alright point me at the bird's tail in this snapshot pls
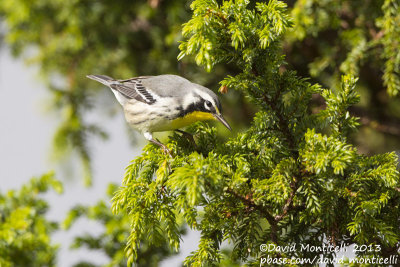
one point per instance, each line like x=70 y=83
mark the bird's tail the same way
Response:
x=106 y=80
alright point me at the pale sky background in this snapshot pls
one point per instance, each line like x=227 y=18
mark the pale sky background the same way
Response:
x=25 y=146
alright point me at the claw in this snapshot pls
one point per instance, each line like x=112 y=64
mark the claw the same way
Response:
x=164 y=147
x=149 y=137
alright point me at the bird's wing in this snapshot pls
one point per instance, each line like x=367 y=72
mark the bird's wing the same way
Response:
x=134 y=89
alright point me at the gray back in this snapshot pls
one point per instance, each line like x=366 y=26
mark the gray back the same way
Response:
x=167 y=85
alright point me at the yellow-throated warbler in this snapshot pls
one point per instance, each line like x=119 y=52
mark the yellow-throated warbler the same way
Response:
x=163 y=103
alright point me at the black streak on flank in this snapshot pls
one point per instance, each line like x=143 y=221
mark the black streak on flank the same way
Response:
x=135 y=113
x=143 y=121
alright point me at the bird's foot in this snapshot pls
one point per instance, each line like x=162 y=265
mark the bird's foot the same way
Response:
x=167 y=151
x=164 y=147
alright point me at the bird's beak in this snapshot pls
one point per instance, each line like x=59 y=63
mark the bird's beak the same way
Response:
x=223 y=121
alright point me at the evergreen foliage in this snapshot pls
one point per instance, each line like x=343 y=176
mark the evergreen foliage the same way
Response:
x=111 y=241
x=24 y=230
x=292 y=177
x=334 y=38
x=358 y=34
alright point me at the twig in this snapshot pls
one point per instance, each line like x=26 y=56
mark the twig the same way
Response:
x=389 y=127
x=250 y=203
x=284 y=127
x=289 y=202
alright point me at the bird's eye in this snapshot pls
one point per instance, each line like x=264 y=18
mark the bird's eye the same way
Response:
x=207 y=104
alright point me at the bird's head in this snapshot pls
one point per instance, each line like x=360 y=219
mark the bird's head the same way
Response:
x=205 y=101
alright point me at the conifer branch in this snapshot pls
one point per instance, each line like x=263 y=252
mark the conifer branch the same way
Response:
x=283 y=126
x=387 y=128
x=392 y=126
x=289 y=202
x=248 y=201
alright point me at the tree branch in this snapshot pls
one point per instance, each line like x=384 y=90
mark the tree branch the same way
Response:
x=283 y=126
x=250 y=203
x=390 y=126
x=289 y=202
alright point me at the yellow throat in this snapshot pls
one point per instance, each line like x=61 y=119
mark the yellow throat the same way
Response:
x=191 y=118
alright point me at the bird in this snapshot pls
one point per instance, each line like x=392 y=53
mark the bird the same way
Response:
x=163 y=103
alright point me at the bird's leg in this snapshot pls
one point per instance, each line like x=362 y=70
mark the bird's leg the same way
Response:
x=149 y=137
x=189 y=136
x=164 y=147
